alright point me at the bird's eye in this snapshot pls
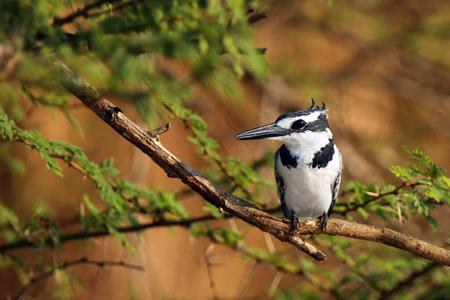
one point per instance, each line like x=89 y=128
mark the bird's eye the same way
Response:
x=298 y=124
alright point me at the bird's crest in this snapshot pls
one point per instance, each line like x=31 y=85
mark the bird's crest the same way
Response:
x=316 y=107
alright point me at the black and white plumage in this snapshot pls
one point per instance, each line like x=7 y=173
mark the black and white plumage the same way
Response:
x=308 y=165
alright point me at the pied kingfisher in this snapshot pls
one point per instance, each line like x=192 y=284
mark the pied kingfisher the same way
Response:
x=308 y=165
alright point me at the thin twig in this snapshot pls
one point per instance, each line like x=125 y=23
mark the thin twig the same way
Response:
x=81 y=235
x=208 y=263
x=350 y=263
x=256 y=18
x=387 y=294
x=247 y=280
x=82 y=260
x=274 y=285
x=352 y=207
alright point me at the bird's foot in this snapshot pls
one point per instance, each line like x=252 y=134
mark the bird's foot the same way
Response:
x=324 y=221
x=294 y=220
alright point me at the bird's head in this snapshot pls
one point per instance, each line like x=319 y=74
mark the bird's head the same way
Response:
x=295 y=129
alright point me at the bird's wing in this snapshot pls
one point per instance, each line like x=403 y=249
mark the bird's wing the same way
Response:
x=281 y=188
x=335 y=187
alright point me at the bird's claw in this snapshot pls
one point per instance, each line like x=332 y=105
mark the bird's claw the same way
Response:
x=294 y=221
x=324 y=221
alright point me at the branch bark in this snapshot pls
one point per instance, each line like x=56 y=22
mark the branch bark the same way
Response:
x=278 y=227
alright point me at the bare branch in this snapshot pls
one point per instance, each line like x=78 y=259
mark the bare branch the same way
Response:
x=220 y=198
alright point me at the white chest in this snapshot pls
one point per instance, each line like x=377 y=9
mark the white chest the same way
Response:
x=308 y=191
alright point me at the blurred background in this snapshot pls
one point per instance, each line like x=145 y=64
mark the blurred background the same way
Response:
x=381 y=67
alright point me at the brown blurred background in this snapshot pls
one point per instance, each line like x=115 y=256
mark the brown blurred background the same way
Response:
x=381 y=67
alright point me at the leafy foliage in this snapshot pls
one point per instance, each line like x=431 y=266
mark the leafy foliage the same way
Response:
x=212 y=38
x=128 y=49
x=122 y=198
x=238 y=176
x=424 y=187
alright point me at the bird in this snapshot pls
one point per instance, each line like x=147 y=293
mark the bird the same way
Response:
x=308 y=166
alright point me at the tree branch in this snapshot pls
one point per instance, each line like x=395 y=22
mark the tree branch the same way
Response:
x=80 y=235
x=278 y=227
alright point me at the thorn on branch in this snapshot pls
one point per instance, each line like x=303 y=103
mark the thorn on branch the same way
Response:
x=155 y=133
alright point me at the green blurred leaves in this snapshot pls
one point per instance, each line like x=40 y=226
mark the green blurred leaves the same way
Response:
x=424 y=187
x=242 y=180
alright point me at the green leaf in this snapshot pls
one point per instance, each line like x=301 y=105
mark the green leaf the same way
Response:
x=7 y=127
x=387 y=188
x=7 y=215
x=435 y=226
x=121 y=237
x=401 y=173
x=42 y=210
x=16 y=259
x=91 y=207
x=433 y=193
x=363 y=213
x=107 y=168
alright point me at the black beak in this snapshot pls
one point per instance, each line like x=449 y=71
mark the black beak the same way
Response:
x=263 y=132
